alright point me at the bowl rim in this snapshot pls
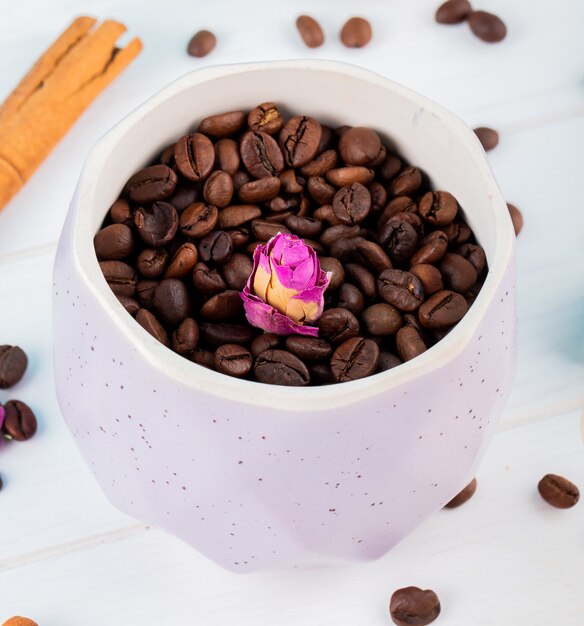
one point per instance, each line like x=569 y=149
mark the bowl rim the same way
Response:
x=305 y=399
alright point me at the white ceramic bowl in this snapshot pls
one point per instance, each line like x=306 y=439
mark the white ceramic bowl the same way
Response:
x=254 y=475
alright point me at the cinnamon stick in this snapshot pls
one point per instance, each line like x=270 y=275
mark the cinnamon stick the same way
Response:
x=58 y=88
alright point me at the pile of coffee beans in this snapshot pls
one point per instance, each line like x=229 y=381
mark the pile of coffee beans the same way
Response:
x=176 y=247
x=484 y=25
x=17 y=421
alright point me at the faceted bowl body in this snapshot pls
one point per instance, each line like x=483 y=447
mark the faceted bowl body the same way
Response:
x=257 y=476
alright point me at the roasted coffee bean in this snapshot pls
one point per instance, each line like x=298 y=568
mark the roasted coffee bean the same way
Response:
x=156 y=224
x=167 y=156
x=206 y=280
x=409 y=343
x=151 y=325
x=442 y=310
x=279 y=367
x=237 y=215
x=458 y=273
x=265 y=118
x=218 y=189
x=260 y=154
x=413 y=321
x=327 y=140
x=387 y=361
x=216 y=247
x=453 y=11
x=412 y=605
x=320 y=373
x=463 y=496
x=320 y=190
x=260 y=190
x=351 y=298
x=198 y=220
x=351 y=204
x=345 y=176
x=558 y=491
x=321 y=165
x=381 y=319
x=233 y=360
x=371 y=255
x=264 y=230
x=359 y=146
x=488 y=137
x=120 y=277
x=438 y=208
x=20 y=422
x=267 y=341
x=308 y=348
x=399 y=238
x=380 y=158
x=202 y=357
x=223 y=125
x=201 y=43
x=239 y=236
x=362 y=278
x=236 y=271
x=13 y=362
x=300 y=139
x=337 y=325
x=171 y=301
x=151 y=262
x=390 y=168
x=429 y=276
x=185 y=195
x=121 y=212
x=475 y=255
x=457 y=233
x=356 y=32
x=516 y=218
x=132 y=306
x=114 y=242
x=155 y=182
x=487 y=26
x=240 y=178
x=401 y=289
x=398 y=207
x=227 y=156
x=378 y=196
x=355 y=358
x=186 y=337
x=280 y=204
x=145 y=291
x=471 y=295
x=182 y=262
x=433 y=248
x=333 y=266
x=310 y=31
x=290 y=182
x=304 y=226
x=217 y=334
x=406 y=183
x=223 y=307
x=194 y=156
x=333 y=235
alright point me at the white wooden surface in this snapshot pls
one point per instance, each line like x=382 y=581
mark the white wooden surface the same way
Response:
x=67 y=558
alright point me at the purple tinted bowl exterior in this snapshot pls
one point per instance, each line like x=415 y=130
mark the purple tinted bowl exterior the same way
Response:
x=256 y=476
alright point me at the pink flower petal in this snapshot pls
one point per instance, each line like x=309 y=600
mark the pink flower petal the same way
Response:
x=264 y=316
x=2 y=415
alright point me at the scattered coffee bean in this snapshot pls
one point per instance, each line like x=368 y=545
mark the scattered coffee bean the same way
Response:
x=19 y=621
x=201 y=43
x=487 y=26
x=464 y=496
x=453 y=12
x=356 y=32
x=13 y=363
x=412 y=605
x=20 y=422
x=355 y=358
x=279 y=367
x=233 y=360
x=310 y=31
x=558 y=491
x=488 y=137
x=516 y=217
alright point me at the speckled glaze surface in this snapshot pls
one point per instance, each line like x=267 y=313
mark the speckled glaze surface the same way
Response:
x=256 y=476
